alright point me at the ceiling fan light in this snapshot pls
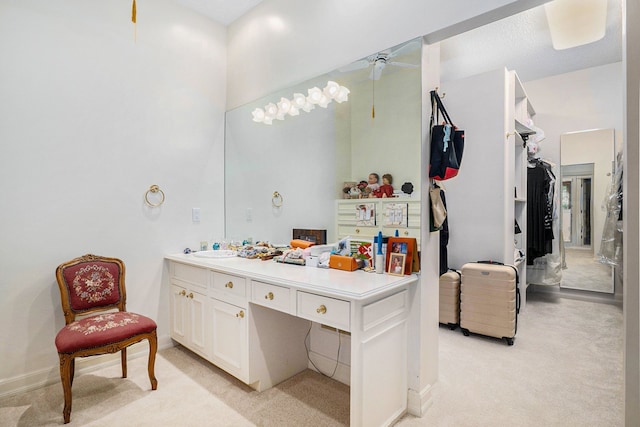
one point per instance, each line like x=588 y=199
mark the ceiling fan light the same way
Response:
x=576 y=22
x=268 y=121
x=258 y=115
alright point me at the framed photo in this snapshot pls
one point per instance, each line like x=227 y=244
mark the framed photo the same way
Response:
x=396 y=264
x=365 y=214
x=362 y=249
x=407 y=246
x=396 y=214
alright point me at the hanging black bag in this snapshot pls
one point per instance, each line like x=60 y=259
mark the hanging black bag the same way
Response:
x=447 y=143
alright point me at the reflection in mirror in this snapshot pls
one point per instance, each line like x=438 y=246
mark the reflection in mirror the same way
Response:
x=307 y=158
x=587 y=170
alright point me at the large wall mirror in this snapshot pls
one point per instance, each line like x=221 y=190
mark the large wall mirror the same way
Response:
x=290 y=173
x=587 y=171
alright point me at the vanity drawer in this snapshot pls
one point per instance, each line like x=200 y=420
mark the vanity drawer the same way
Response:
x=272 y=296
x=357 y=231
x=232 y=289
x=193 y=276
x=325 y=310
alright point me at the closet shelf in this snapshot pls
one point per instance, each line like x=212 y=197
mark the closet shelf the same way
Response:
x=523 y=130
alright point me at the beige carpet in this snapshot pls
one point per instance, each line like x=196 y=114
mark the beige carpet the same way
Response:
x=565 y=369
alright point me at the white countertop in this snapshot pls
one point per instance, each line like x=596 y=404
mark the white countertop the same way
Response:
x=356 y=285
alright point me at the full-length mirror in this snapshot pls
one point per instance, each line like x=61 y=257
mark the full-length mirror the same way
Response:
x=587 y=169
x=289 y=173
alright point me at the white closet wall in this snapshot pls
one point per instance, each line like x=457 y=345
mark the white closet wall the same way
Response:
x=481 y=201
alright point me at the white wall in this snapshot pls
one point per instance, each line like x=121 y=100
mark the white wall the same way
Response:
x=89 y=119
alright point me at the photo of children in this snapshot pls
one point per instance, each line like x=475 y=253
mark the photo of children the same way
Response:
x=399 y=248
x=396 y=264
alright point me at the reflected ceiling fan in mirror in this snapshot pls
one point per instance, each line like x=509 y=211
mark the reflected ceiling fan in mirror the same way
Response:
x=380 y=61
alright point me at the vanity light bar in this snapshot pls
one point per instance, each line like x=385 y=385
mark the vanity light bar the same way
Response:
x=291 y=107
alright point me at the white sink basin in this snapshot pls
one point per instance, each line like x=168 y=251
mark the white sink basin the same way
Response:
x=215 y=254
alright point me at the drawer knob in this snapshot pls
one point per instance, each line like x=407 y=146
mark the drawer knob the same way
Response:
x=321 y=310
x=269 y=296
x=357 y=230
x=240 y=315
x=191 y=295
x=183 y=292
x=406 y=233
x=229 y=285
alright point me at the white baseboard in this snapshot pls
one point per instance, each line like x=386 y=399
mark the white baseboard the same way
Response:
x=326 y=366
x=44 y=377
x=418 y=402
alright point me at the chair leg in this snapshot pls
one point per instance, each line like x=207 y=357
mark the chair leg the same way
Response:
x=123 y=358
x=66 y=376
x=73 y=369
x=153 y=348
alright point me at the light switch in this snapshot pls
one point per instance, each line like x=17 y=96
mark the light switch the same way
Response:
x=195 y=214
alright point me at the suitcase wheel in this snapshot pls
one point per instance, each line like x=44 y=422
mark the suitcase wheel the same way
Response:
x=465 y=332
x=509 y=340
x=452 y=326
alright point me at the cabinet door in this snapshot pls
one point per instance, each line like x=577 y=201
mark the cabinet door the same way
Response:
x=197 y=321
x=230 y=345
x=178 y=314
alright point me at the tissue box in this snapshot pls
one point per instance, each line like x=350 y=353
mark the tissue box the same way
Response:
x=342 y=262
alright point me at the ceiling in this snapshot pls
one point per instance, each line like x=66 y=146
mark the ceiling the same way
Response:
x=521 y=42
x=222 y=11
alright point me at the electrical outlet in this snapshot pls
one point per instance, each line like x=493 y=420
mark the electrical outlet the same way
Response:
x=195 y=214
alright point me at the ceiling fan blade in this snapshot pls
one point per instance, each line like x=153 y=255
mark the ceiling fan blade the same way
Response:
x=358 y=65
x=405 y=48
x=403 y=64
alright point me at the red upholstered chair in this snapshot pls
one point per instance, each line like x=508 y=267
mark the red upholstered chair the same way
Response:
x=92 y=287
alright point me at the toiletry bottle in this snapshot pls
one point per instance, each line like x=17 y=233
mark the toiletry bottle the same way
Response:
x=379 y=255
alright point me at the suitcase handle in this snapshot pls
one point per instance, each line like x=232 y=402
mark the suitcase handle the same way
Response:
x=502 y=263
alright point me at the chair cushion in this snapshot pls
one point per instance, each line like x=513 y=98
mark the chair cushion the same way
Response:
x=102 y=329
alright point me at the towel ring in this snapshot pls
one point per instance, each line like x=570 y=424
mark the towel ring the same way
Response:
x=154 y=189
x=276 y=200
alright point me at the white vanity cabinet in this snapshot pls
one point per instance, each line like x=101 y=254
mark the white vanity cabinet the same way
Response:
x=188 y=308
x=252 y=318
x=389 y=214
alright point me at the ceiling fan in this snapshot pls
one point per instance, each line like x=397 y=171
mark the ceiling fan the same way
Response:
x=381 y=60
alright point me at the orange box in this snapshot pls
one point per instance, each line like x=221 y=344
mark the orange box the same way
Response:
x=342 y=262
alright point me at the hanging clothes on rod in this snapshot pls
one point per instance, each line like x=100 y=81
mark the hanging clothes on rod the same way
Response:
x=540 y=208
